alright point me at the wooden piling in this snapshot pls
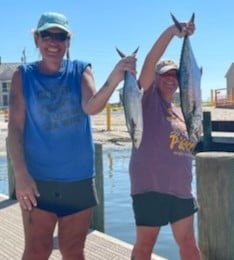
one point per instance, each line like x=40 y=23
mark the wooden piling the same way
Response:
x=10 y=172
x=207 y=131
x=215 y=193
x=98 y=214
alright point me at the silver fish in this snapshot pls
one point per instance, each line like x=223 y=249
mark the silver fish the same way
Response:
x=189 y=85
x=132 y=103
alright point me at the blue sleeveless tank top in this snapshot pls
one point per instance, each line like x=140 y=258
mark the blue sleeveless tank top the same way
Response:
x=58 y=142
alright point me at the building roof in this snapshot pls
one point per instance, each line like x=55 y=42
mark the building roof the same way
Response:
x=7 y=70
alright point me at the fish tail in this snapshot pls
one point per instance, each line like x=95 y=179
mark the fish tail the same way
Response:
x=192 y=18
x=136 y=50
x=121 y=54
x=177 y=23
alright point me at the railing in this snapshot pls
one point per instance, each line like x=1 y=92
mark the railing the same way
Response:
x=224 y=99
x=208 y=142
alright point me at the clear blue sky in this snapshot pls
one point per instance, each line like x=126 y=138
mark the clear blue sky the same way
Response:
x=99 y=26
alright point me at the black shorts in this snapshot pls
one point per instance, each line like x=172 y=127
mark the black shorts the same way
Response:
x=158 y=209
x=66 y=198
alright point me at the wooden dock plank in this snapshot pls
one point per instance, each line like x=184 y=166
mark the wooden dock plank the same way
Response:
x=99 y=246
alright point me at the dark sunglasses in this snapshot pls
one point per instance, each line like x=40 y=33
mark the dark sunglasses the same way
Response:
x=60 y=36
x=170 y=74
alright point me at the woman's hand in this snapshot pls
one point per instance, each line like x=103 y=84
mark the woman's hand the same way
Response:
x=125 y=64
x=26 y=192
x=184 y=28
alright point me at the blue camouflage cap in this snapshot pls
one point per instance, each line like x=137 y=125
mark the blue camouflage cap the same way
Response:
x=52 y=19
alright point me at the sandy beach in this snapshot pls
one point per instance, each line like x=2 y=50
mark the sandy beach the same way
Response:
x=118 y=134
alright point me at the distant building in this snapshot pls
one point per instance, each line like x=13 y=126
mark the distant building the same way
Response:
x=230 y=81
x=6 y=73
x=224 y=97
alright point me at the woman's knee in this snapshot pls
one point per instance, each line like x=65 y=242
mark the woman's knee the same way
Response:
x=72 y=249
x=38 y=250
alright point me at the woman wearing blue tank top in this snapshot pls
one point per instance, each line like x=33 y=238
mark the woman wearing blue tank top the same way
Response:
x=50 y=140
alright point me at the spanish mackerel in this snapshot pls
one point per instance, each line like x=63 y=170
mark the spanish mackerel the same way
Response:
x=189 y=85
x=132 y=103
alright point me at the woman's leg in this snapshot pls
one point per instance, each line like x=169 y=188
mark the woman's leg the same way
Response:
x=72 y=232
x=145 y=241
x=38 y=229
x=183 y=231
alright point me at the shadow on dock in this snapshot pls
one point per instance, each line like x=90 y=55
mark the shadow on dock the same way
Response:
x=7 y=203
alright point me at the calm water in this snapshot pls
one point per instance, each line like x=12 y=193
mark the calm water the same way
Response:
x=119 y=220
x=3 y=176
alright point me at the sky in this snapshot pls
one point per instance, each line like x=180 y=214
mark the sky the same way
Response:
x=98 y=27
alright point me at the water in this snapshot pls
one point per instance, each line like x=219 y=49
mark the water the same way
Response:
x=119 y=219
x=3 y=176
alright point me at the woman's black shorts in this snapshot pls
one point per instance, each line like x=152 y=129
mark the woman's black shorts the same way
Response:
x=66 y=198
x=158 y=209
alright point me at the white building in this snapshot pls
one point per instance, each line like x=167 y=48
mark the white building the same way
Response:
x=6 y=73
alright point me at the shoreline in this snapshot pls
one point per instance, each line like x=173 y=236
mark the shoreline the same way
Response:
x=118 y=134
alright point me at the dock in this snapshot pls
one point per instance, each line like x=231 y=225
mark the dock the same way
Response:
x=99 y=246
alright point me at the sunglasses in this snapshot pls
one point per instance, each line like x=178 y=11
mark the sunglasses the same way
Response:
x=170 y=74
x=60 y=36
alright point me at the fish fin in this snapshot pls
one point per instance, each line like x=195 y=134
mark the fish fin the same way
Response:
x=121 y=54
x=190 y=124
x=132 y=130
x=201 y=70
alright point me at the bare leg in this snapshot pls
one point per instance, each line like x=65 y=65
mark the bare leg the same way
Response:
x=38 y=229
x=183 y=231
x=146 y=239
x=72 y=232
